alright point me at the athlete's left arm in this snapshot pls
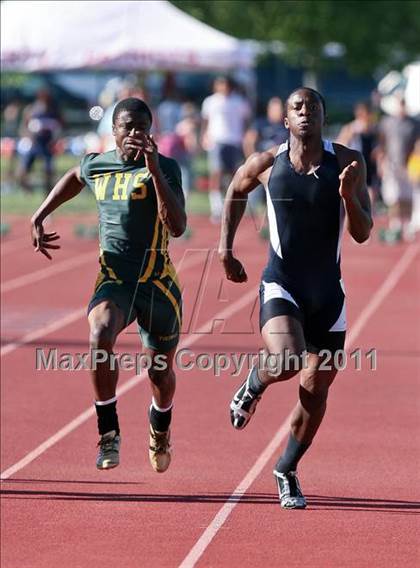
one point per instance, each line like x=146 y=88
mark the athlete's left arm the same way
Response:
x=353 y=190
x=171 y=202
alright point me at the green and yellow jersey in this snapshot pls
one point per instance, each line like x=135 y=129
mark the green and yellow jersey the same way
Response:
x=133 y=240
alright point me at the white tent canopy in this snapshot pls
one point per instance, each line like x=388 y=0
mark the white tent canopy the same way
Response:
x=129 y=35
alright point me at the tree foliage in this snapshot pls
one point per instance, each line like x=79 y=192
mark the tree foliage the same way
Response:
x=375 y=33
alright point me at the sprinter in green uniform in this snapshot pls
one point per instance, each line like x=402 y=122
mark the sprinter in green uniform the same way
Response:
x=140 y=204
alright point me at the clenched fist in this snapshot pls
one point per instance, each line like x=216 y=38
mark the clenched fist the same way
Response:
x=233 y=268
x=349 y=178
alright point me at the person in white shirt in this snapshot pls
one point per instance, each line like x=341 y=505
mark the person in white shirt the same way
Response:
x=397 y=139
x=226 y=116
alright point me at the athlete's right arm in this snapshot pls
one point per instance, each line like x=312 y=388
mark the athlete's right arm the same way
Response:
x=244 y=181
x=65 y=189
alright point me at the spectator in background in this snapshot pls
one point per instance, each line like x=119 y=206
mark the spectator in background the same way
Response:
x=266 y=132
x=9 y=137
x=225 y=118
x=169 y=110
x=397 y=138
x=169 y=114
x=413 y=168
x=182 y=144
x=362 y=135
x=41 y=124
x=11 y=120
x=188 y=130
x=108 y=99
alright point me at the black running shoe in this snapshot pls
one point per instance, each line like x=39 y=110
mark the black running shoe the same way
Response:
x=243 y=405
x=290 y=493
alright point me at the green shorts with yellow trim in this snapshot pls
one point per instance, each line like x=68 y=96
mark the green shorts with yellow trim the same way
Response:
x=155 y=304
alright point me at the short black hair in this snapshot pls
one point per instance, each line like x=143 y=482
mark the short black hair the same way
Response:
x=131 y=104
x=314 y=92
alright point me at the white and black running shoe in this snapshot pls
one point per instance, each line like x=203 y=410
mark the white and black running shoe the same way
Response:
x=243 y=405
x=109 y=451
x=290 y=493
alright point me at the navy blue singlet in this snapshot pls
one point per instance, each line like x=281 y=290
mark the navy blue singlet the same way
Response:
x=306 y=217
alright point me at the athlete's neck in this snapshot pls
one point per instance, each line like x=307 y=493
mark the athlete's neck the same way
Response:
x=305 y=155
x=121 y=155
x=128 y=159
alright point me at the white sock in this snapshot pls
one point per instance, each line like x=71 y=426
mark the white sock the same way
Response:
x=105 y=402
x=158 y=408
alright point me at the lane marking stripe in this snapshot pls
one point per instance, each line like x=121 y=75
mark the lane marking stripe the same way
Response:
x=44 y=330
x=220 y=518
x=132 y=382
x=387 y=286
x=218 y=521
x=71 y=317
x=15 y=244
x=43 y=273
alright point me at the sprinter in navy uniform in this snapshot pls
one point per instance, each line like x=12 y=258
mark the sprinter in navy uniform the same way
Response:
x=313 y=188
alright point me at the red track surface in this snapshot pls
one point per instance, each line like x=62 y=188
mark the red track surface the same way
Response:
x=358 y=476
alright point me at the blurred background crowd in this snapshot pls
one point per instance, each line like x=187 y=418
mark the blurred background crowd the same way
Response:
x=211 y=121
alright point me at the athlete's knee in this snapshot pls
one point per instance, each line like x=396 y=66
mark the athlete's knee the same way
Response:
x=159 y=375
x=282 y=376
x=105 y=321
x=316 y=382
x=313 y=397
x=102 y=336
x=285 y=364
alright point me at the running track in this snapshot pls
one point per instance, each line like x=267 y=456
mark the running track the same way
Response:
x=217 y=505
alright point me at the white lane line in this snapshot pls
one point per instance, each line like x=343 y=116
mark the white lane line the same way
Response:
x=15 y=244
x=68 y=264
x=223 y=513
x=78 y=313
x=47 y=272
x=387 y=286
x=132 y=382
x=44 y=330
x=218 y=521
x=67 y=429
